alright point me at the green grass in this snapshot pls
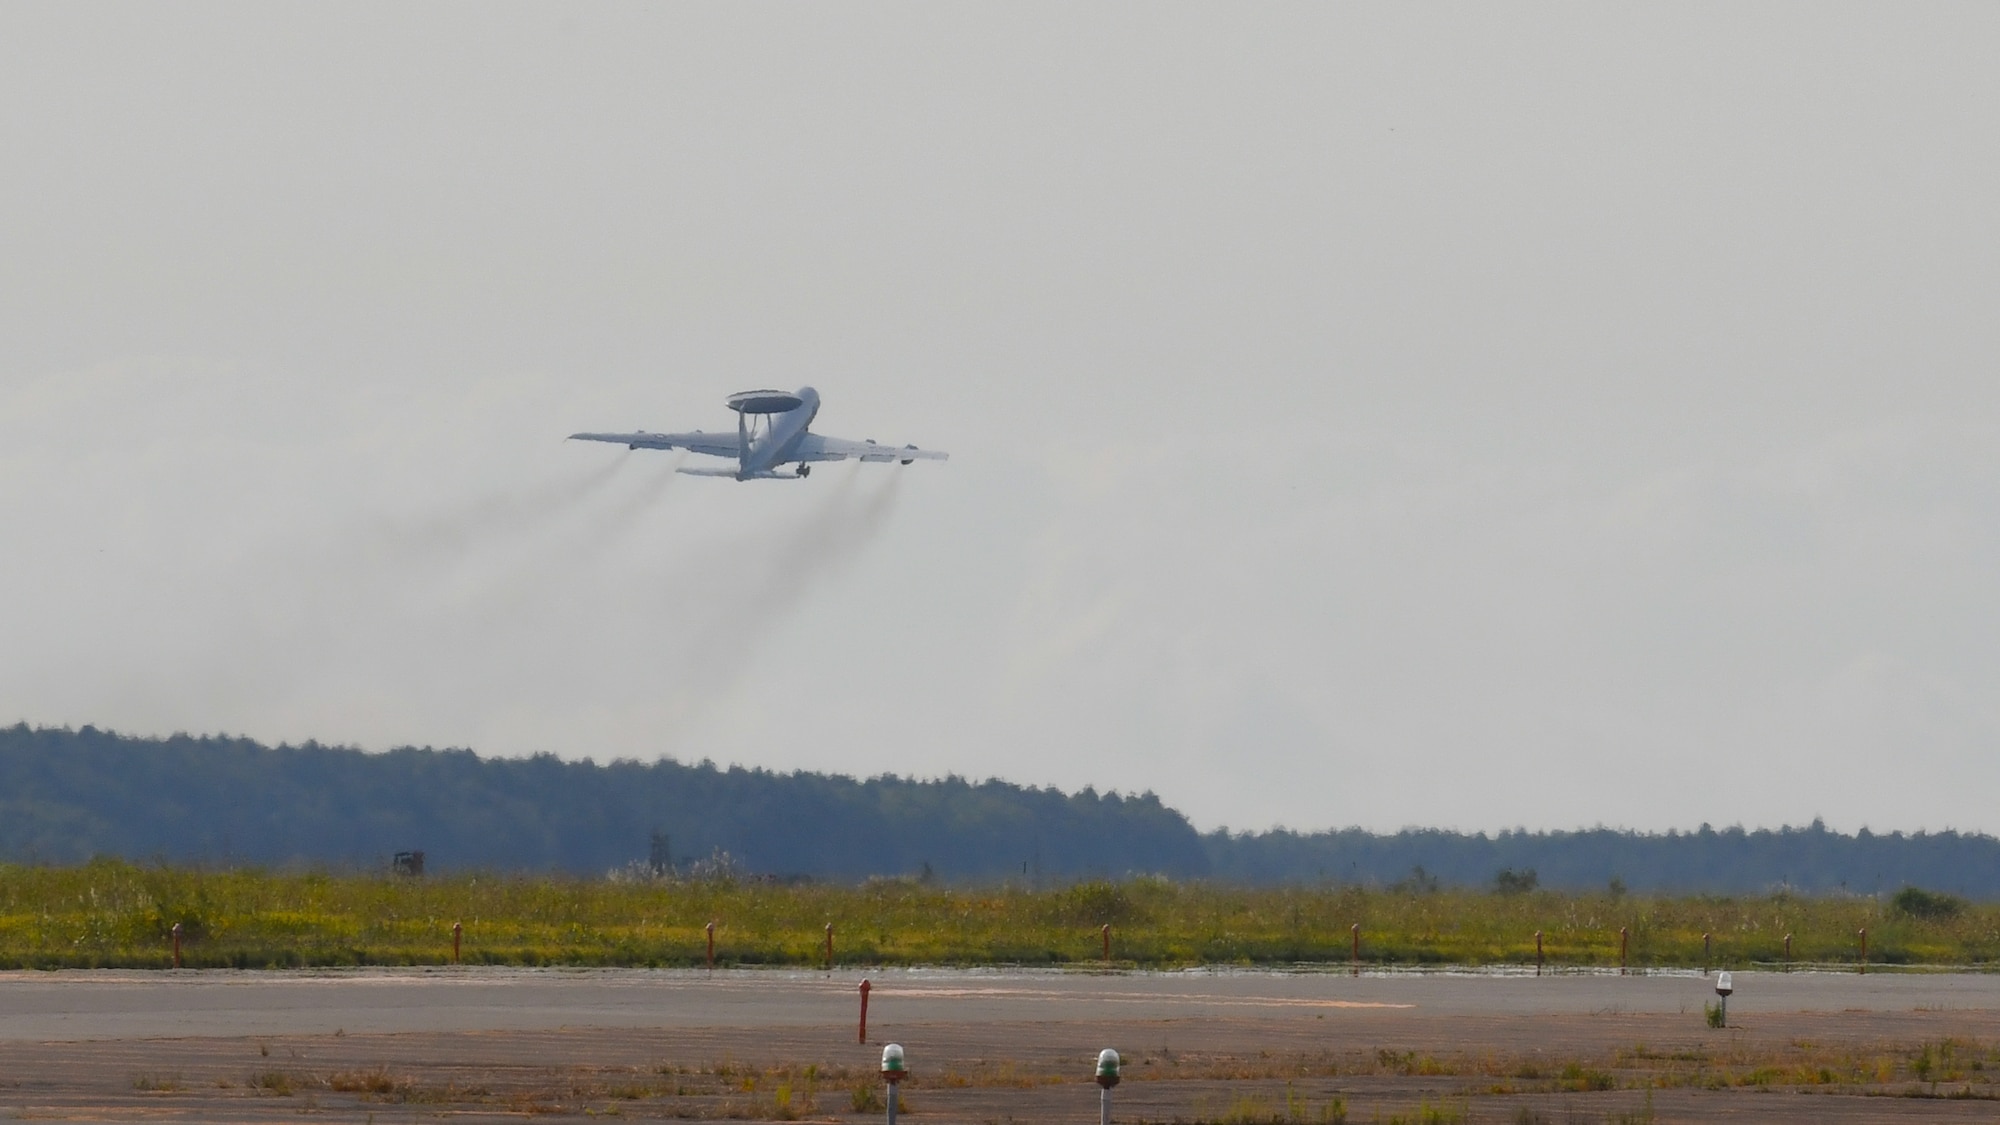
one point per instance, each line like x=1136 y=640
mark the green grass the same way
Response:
x=115 y=914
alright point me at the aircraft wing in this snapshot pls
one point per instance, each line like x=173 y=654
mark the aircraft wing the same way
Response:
x=715 y=445
x=817 y=448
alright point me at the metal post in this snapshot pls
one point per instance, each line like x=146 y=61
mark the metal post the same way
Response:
x=1788 y=950
x=711 y=945
x=457 y=931
x=1864 y=949
x=177 y=945
x=1356 y=929
x=829 y=947
x=892 y=1103
x=1705 y=955
x=1624 y=945
x=1104 y=1106
x=864 y=1011
x=1106 y=932
x=1538 y=953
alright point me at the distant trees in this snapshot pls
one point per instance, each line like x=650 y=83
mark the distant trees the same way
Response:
x=1812 y=859
x=66 y=795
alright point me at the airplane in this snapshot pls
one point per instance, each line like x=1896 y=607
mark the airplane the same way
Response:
x=772 y=430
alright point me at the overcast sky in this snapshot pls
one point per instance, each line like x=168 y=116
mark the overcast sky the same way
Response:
x=1467 y=416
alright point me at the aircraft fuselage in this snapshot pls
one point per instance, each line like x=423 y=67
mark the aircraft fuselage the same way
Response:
x=782 y=440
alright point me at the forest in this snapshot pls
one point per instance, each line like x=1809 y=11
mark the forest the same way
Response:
x=68 y=796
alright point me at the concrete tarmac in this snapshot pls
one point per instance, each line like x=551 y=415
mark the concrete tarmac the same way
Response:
x=986 y=1046
x=81 y=1006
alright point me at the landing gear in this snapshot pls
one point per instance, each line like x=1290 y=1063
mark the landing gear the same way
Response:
x=805 y=470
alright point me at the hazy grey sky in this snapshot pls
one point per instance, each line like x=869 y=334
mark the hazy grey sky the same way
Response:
x=1472 y=416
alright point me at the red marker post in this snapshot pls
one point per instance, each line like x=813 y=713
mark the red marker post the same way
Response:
x=177 y=945
x=1624 y=944
x=711 y=945
x=1356 y=928
x=457 y=932
x=863 y=1037
x=829 y=947
x=1538 y=953
x=1106 y=934
x=1864 y=949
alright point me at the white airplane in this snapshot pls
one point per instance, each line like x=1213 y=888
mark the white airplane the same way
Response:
x=771 y=431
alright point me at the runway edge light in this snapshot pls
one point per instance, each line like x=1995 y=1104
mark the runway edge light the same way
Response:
x=892 y=1073
x=1107 y=1077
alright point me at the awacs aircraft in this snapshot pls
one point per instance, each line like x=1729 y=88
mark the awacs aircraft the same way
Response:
x=771 y=432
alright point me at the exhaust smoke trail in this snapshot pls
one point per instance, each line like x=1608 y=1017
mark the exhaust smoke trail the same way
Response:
x=493 y=515
x=757 y=583
x=413 y=591
x=573 y=552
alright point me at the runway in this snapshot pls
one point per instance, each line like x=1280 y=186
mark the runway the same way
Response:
x=145 y=1005
x=991 y=1045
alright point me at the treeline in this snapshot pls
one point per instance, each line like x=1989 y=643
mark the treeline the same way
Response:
x=66 y=796
x=69 y=795
x=1811 y=860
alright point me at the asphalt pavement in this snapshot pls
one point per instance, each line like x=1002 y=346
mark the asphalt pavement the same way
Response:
x=115 y=1005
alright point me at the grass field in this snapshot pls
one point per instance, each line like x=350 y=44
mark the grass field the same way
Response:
x=113 y=914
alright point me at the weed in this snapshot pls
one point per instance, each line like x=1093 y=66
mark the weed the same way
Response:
x=1644 y=1115
x=1443 y=1113
x=1577 y=1077
x=158 y=1083
x=378 y=1082
x=1254 y=1109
